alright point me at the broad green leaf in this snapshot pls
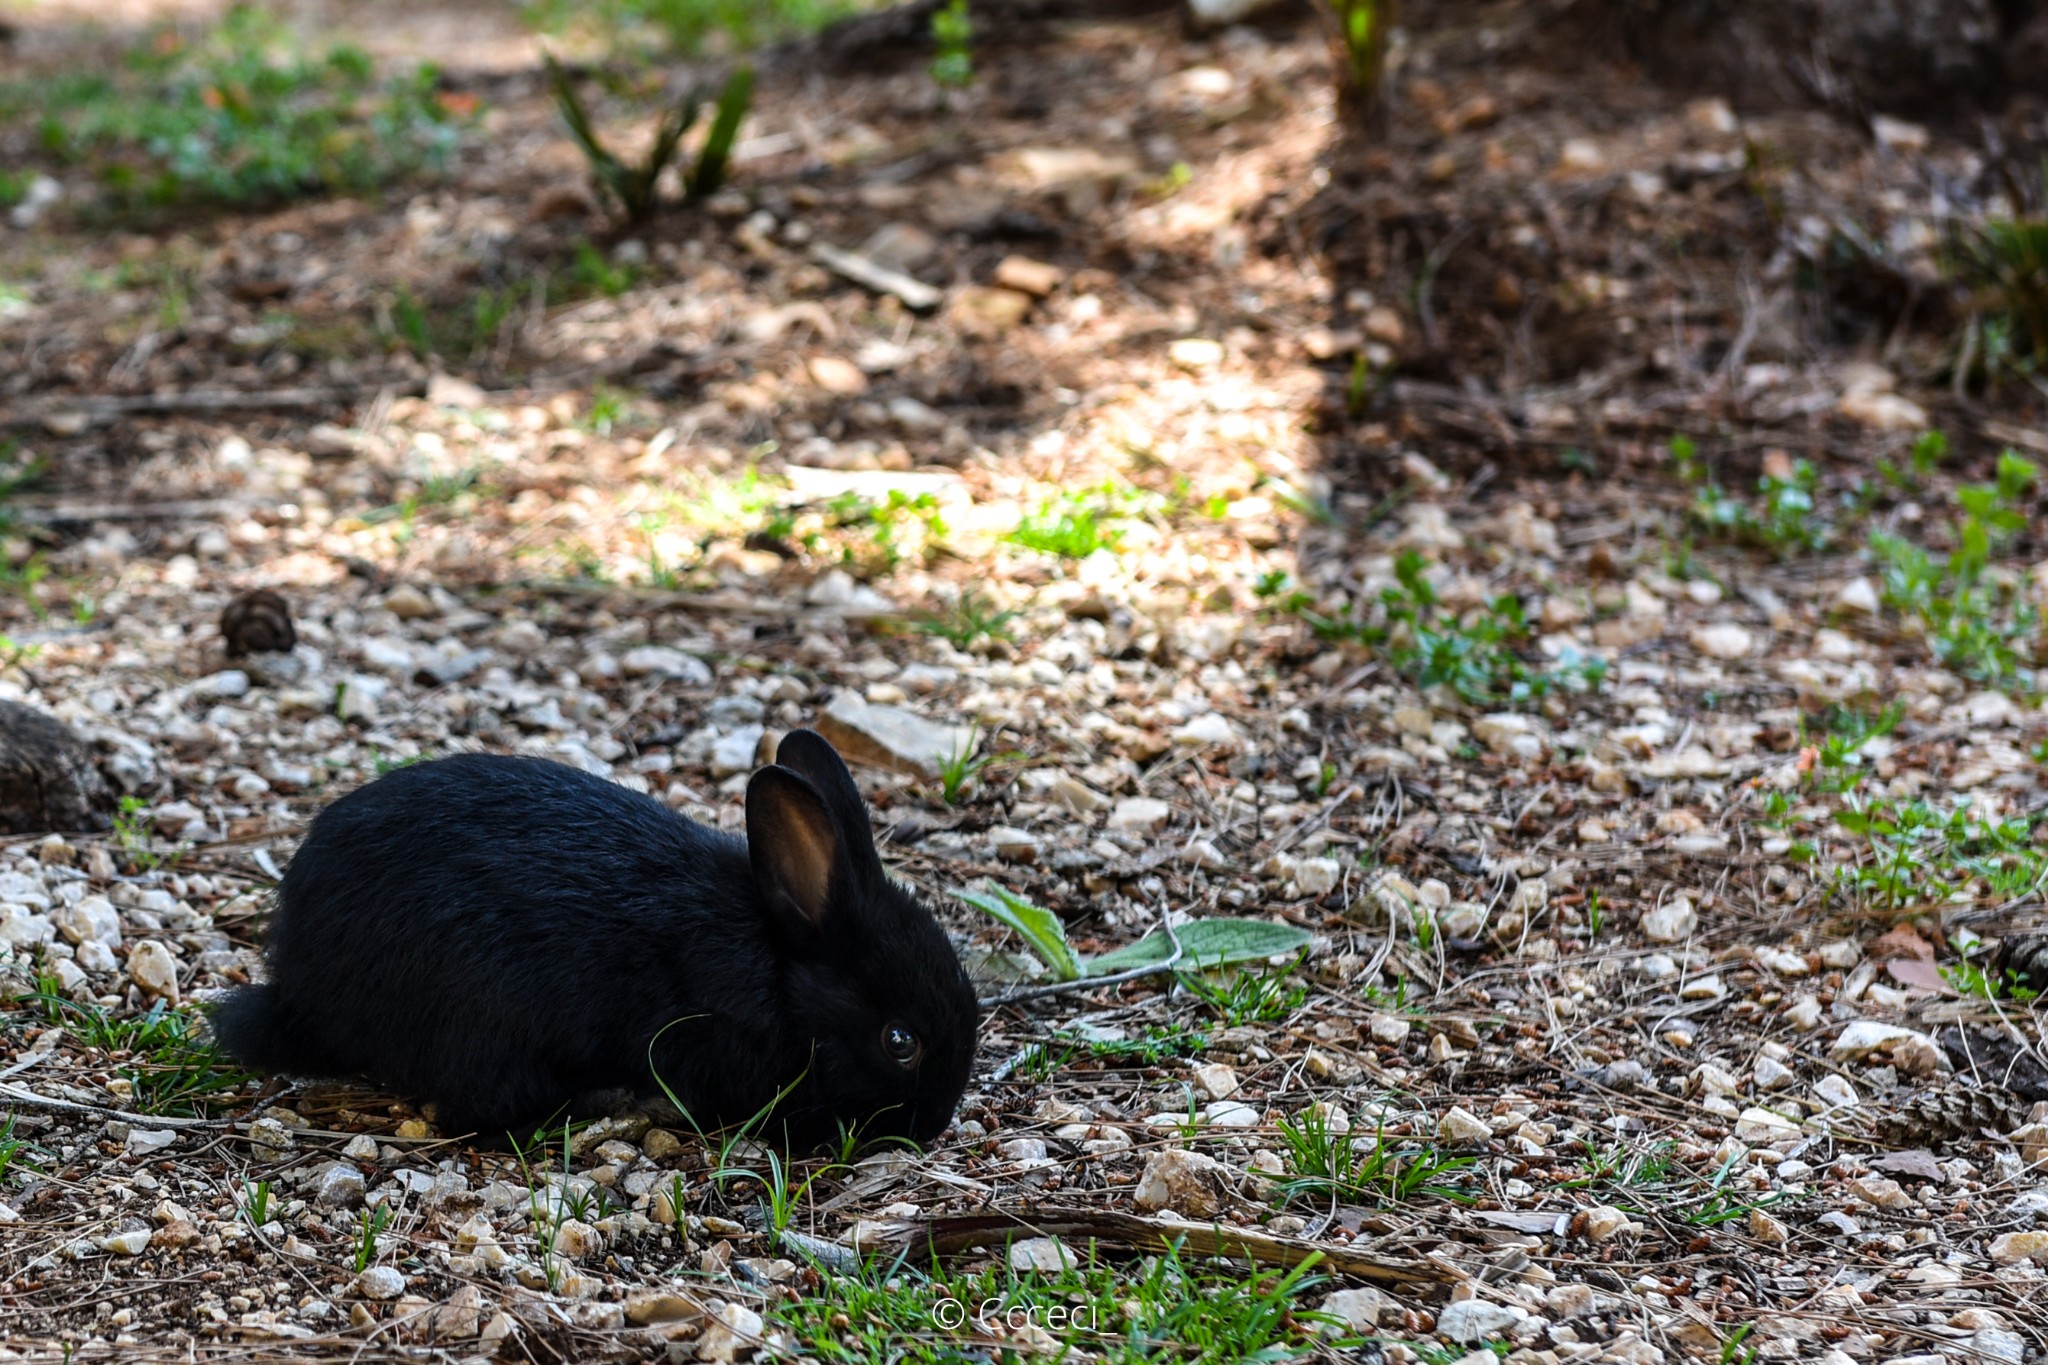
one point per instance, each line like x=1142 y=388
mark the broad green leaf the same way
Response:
x=1039 y=927
x=1206 y=943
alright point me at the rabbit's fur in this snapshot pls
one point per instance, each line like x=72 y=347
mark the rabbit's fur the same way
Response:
x=510 y=937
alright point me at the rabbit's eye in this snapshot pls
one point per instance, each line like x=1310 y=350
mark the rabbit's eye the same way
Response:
x=899 y=1044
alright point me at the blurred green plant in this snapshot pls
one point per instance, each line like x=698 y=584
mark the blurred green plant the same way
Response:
x=1788 y=521
x=1358 y=41
x=243 y=116
x=632 y=186
x=688 y=27
x=952 y=36
x=1977 y=619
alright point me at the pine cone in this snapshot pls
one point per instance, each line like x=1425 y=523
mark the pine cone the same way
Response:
x=2022 y=960
x=1956 y=1112
x=258 y=622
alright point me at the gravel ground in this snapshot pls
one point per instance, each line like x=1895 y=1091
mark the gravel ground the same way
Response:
x=1673 y=872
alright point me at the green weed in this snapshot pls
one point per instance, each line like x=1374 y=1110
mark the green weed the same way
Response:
x=158 y=1054
x=971 y=617
x=1788 y=521
x=1249 y=997
x=370 y=1225
x=1324 y=1164
x=687 y=27
x=14 y=1158
x=902 y=526
x=952 y=36
x=256 y=1203
x=592 y=274
x=1076 y=525
x=1359 y=42
x=1155 y=1045
x=631 y=185
x=1978 y=622
x=1914 y=854
x=465 y=331
x=2007 y=258
x=964 y=765
x=240 y=117
x=1474 y=655
x=1195 y=1312
x=1624 y=1165
x=1648 y=1178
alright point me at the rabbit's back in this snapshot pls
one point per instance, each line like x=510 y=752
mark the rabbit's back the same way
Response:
x=499 y=934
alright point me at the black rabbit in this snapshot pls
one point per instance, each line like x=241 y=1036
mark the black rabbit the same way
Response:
x=511 y=938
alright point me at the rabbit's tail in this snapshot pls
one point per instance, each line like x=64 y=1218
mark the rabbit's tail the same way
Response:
x=255 y=1028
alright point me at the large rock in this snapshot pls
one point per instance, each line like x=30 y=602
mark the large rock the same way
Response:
x=890 y=737
x=49 y=780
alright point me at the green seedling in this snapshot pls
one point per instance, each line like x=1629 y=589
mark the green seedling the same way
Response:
x=952 y=36
x=245 y=116
x=1324 y=1163
x=14 y=1160
x=1173 y=1305
x=1980 y=623
x=964 y=765
x=971 y=617
x=370 y=1225
x=1249 y=997
x=1209 y=942
x=631 y=186
x=256 y=1203
x=652 y=31
x=1079 y=524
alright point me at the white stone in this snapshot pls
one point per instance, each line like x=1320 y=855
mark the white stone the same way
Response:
x=1216 y=1080
x=1041 y=1253
x=1205 y=730
x=21 y=927
x=225 y=685
x=1140 y=815
x=577 y=1240
x=1858 y=597
x=1835 y=1092
x=734 y=1328
x=131 y=1243
x=1390 y=1029
x=380 y=1282
x=1316 y=876
x=340 y=1186
x=1722 y=640
x=2011 y=1248
x=1703 y=988
x=1510 y=733
x=735 y=753
x=154 y=967
x=1864 y=1036
x=144 y=1141
x=1764 y=1125
x=1360 y=1310
x=1671 y=922
x=1771 y=1074
x=1461 y=1125
x=1470 y=1321
x=1604 y=1222
x=661 y=661
x=1190 y=1183
x=1232 y=1114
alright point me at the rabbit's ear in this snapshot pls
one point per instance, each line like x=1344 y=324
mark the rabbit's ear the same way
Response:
x=811 y=754
x=793 y=843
